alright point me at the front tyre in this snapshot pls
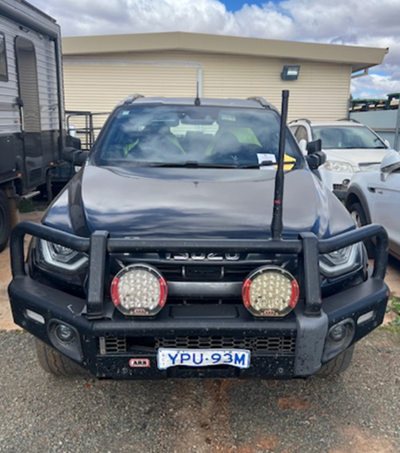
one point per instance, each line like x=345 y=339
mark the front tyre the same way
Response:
x=360 y=219
x=56 y=363
x=337 y=365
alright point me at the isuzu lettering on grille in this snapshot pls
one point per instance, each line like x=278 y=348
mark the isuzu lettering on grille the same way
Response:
x=203 y=256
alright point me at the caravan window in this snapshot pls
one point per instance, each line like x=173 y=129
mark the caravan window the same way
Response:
x=3 y=59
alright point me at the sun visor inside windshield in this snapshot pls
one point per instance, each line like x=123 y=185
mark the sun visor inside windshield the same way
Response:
x=226 y=118
x=170 y=120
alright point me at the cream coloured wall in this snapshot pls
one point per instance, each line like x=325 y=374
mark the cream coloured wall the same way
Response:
x=98 y=82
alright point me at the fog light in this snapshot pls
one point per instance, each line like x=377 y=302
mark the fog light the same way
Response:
x=139 y=290
x=338 y=333
x=339 y=338
x=270 y=291
x=64 y=333
x=346 y=182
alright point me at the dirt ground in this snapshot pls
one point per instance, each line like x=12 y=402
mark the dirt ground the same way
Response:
x=356 y=412
x=6 y=322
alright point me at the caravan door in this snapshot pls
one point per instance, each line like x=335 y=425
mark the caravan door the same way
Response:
x=30 y=110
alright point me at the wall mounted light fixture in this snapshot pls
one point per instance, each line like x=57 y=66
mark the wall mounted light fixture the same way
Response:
x=290 y=72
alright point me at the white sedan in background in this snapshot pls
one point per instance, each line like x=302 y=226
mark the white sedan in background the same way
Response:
x=374 y=197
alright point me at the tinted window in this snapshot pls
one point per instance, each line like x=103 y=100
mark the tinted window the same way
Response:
x=3 y=59
x=347 y=137
x=202 y=134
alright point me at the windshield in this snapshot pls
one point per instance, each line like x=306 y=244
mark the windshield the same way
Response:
x=347 y=137
x=194 y=136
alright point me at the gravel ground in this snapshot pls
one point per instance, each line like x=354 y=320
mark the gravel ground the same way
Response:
x=357 y=412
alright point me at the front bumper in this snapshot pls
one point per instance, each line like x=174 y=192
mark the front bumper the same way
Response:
x=337 y=182
x=233 y=321
x=294 y=346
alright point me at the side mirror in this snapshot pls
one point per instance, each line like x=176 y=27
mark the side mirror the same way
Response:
x=387 y=143
x=314 y=147
x=303 y=146
x=316 y=159
x=75 y=156
x=389 y=164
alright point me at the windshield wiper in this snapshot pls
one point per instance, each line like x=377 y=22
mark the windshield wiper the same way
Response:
x=264 y=163
x=190 y=164
x=268 y=163
x=359 y=147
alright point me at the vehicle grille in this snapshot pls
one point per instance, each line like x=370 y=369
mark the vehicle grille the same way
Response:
x=272 y=345
x=112 y=345
x=339 y=187
x=181 y=273
x=206 y=270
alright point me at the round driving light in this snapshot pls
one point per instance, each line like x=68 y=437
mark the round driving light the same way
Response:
x=270 y=291
x=139 y=290
x=64 y=333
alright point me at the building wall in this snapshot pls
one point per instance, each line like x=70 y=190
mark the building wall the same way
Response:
x=98 y=82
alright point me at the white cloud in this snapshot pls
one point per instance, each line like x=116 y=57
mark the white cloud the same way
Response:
x=375 y=85
x=367 y=23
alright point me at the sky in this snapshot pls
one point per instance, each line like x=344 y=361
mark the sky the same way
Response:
x=371 y=23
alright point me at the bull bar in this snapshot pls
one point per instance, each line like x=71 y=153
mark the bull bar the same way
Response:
x=307 y=246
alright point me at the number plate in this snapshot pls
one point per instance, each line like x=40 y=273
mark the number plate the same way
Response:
x=167 y=358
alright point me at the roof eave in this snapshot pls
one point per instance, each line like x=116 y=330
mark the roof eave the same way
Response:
x=358 y=58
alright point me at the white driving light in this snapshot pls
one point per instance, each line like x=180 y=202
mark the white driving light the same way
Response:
x=139 y=290
x=270 y=291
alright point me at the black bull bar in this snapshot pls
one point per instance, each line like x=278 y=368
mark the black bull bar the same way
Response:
x=308 y=247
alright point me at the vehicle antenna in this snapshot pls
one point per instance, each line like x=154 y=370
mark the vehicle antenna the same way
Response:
x=197 y=100
x=276 y=224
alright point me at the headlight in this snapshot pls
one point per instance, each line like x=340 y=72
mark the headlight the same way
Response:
x=342 y=261
x=270 y=291
x=60 y=257
x=334 y=165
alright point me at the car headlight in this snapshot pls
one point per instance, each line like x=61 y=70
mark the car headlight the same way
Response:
x=63 y=258
x=335 y=165
x=342 y=261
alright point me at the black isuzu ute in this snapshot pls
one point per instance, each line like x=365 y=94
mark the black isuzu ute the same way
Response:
x=173 y=252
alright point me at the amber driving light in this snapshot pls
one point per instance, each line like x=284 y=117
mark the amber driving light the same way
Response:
x=270 y=291
x=139 y=290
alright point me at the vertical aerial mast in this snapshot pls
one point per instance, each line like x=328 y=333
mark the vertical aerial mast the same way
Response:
x=276 y=224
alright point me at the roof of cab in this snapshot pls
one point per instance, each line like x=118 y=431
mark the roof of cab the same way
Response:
x=254 y=102
x=327 y=123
